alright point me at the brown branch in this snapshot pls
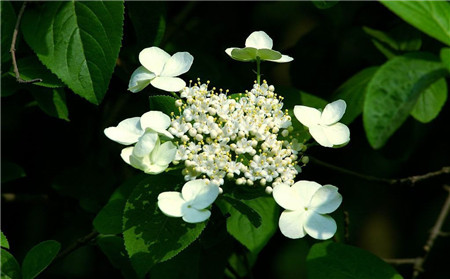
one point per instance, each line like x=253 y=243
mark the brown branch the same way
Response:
x=411 y=180
x=13 y=48
x=400 y=261
x=77 y=244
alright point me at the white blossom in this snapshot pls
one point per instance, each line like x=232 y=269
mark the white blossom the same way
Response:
x=192 y=203
x=307 y=204
x=160 y=70
x=324 y=126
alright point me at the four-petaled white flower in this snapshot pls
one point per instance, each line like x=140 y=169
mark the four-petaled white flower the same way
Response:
x=258 y=44
x=160 y=70
x=192 y=203
x=324 y=126
x=154 y=162
x=144 y=131
x=307 y=204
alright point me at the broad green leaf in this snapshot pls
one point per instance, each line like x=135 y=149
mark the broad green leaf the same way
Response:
x=31 y=68
x=244 y=209
x=430 y=102
x=3 y=241
x=39 y=257
x=11 y=171
x=8 y=16
x=339 y=261
x=150 y=236
x=325 y=4
x=244 y=54
x=78 y=41
x=52 y=101
x=245 y=232
x=114 y=249
x=445 y=57
x=268 y=54
x=353 y=92
x=431 y=17
x=109 y=219
x=165 y=104
x=10 y=268
x=149 y=21
x=393 y=92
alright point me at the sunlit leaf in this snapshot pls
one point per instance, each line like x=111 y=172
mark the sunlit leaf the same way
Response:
x=445 y=57
x=430 y=102
x=165 y=104
x=31 y=68
x=245 y=210
x=3 y=241
x=52 y=101
x=39 y=257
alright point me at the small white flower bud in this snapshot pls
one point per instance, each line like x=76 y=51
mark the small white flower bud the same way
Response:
x=249 y=182
x=184 y=138
x=230 y=175
x=269 y=190
x=285 y=133
x=305 y=159
x=192 y=132
x=263 y=182
x=199 y=137
x=275 y=130
x=240 y=181
x=178 y=103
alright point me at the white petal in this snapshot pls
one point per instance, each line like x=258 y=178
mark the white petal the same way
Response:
x=154 y=59
x=326 y=199
x=318 y=133
x=126 y=154
x=229 y=50
x=291 y=223
x=305 y=189
x=127 y=132
x=192 y=215
x=283 y=59
x=319 y=226
x=178 y=64
x=259 y=39
x=145 y=144
x=165 y=154
x=155 y=120
x=307 y=116
x=287 y=197
x=170 y=84
x=333 y=112
x=140 y=78
x=337 y=133
x=200 y=193
x=171 y=203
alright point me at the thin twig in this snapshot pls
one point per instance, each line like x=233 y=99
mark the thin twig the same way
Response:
x=13 y=48
x=77 y=244
x=407 y=180
x=400 y=261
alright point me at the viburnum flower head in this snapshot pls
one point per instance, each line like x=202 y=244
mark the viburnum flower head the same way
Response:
x=324 y=126
x=160 y=70
x=258 y=44
x=192 y=203
x=307 y=204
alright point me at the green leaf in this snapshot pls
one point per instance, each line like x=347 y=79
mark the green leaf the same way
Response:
x=113 y=247
x=109 y=219
x=338 y=261
x=11 y=171
x=325 y=4
x=244 y=54
x=8 y=16
x=39 y=257
x=393 y=92
x=245 y=232
x=3 y=241
x=31 y=68
x=430 y=102
x=52 y=101
x=268 y=54
x=252 y=216
x=431 y=17
x=149 y=21
x=353 y=92
x=312 y=100
x=165 y=104
x=150 y=236
x=77 y=41
x=10 y=268
x=445 y=57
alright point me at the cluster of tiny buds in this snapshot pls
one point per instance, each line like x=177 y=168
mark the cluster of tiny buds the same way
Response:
x=242 y=137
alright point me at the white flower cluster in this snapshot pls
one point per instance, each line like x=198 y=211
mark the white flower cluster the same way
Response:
x=245 y=136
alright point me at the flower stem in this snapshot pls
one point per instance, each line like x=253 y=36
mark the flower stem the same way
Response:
x=175 y=95
x=258 y=70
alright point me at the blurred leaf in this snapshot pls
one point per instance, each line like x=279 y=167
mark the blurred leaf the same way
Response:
x=39 y=257
x=445 y=57
x=8 y=16
x=11 y=171
x=149 y=22
x=109 y=219
x=353 y=92
x=31 y=68
x=10 y=268
x=253 y=217
x=325 y=4
x=3 y=241
x=430 y=102
x=431 y=17
x=185 y=265
x=52 y=101
x=78 y=41
x=312 y=100
x=150 y=236
x=245 y=232
x=336 y=261
x=165 y=104
x=393 y=92
x=114 y=249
